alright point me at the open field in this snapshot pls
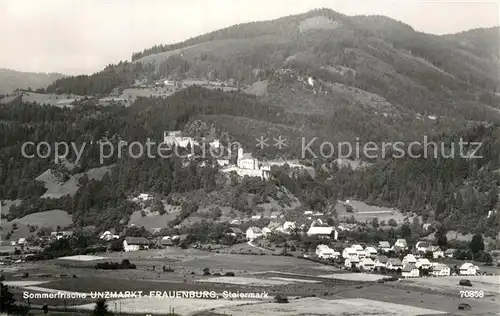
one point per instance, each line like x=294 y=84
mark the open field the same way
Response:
x=82 y=258
x=56 y=188
x=488 y=284
x=183 y=306
x=154 y=220
x=334 y=289
x=364 y=212
x=397 y=292
x=6 y=204
x=317 y=306
x=362 y=277
x=255 y=281
x=52 y=218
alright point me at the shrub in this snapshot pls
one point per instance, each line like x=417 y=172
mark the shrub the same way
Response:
x=125 y=264
x=281 y=299
x=230 y=274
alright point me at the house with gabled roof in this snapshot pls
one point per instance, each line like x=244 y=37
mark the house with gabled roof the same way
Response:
x=436 y=252
x=440 y=269
x=384 y=246
x=468 y=269
x=394 y=264
x=253 y=233
x=450 y=253
x=135 y=243
x=409 y=259
x=401 y=244
x=410 y=271
x=325 y=232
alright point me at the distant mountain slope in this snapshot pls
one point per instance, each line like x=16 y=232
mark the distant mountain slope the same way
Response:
x=12 y=79
x=484 y=42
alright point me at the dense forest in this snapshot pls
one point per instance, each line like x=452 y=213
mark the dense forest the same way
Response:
x=459 y=192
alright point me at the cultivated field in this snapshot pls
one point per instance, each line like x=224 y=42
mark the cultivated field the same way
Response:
x=6 y=204
x=82 y=258
x=253 y=281
x=489 y=284
x=317 y=306
x=57 y=188
x=52 y=218
x=362 y=277
x=182 y=306
x=364 y=212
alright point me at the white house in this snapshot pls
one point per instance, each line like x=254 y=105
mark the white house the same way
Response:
x=423 y=263
x=135 y=243
x=350 y=253
x=325 y=252
x=276 y=214
x=21 y=241
x=107 y=236
x=349 y=262
x=449 y=253
x=367 y=264
x=409 y=259
x=323 y=232
x=440 y=269
x=436 y=252
x=287 y=227
x=371 y=251
x=256 y=217
x=422 y=246
x=223 y=162
x=384 y=246
x=381 y=261
x=144 y=197
x=468 y=269
x=253 y=233
x=410 y=271
x=357 y=247
x=175 y=138
x=401 y=243
x=308 y=212
x=394 y=264
x=266 y=231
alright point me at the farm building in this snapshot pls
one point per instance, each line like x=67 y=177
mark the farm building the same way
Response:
x=423 y=263
x=135 y=243
x=325 y=252
x=436 y=252
x=367 y=264
x=409 y=259
x=449 y=253
x=253 y=233
x=384 y=246
x=323 y=232
x=394 y=264
x=468 y=269
x=381 y=261
x=401 y=244
x=440 y=269
x=371 y=251
x=410 y=271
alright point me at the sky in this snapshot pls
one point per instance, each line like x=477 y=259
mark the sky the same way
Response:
x=83 y=36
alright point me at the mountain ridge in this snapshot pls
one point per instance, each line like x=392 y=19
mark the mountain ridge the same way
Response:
x=11 y=80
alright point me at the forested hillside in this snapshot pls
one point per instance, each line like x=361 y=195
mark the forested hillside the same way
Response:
x=458 y=192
